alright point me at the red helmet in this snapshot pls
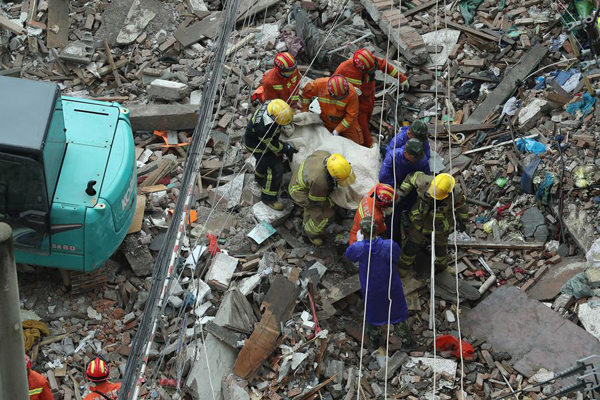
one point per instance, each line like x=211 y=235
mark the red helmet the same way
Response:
x=384 y=195
x=364 y=60
x=28 y=362
x=338 y=86
x=97 y=370
x=285 y=63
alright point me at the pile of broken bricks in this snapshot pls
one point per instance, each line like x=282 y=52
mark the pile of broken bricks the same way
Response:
x=150 y=56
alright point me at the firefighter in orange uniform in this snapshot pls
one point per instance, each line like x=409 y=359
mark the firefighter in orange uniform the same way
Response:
x=281 y=82
x=39 y=388
x=339 y=105
x=97 y=371
x=383 y=197
x=360 y=72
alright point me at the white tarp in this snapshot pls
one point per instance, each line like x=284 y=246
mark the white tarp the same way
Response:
x=309 y=135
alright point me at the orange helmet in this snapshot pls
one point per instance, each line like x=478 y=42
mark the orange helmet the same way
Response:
x=364 y=60
x=338 y=86
x=97 y=370
x=384 y=195
x=28 y=362
x=285 y=63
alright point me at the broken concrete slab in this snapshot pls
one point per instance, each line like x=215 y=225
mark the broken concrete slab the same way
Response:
x=229 y=194
x=208 y=27
x=223 y=334
x=589 y=315
x=445 y=40
x=532 y=112
x=214 y=222
x=220 y=271
x=534 y=224
x=532 y=333
x=262 y=212
x=138 y=256
x=148 y=117
x=548 y=287
x=137 y=19
x=167 y=90
x=79 y=52
x=396 y=361
x=445 y=287
x=580 y=225
x=505 y=89
x=233 y=388
x=235 y=312
x=212 y=364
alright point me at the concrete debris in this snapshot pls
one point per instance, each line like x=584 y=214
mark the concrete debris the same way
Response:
x=167 y=90
x=264 y=213
x=220 y=271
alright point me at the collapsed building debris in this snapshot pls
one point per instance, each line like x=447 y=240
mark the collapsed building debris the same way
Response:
x=282 y=315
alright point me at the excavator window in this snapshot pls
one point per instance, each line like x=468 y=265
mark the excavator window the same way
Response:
x=23 y=199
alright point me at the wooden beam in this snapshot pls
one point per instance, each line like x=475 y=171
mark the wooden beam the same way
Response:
x=419 y=8
x=111 y=61
x=476 y=244
x=11 y=26
x=58 y=23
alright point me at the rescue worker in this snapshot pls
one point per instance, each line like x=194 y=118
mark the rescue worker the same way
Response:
x=376 y=204
x=262 y=138
x=39 y=388
x=421 y=216
x=281 y=82
x=339 y=105
x=376 y=258
x=400 y=162
x=360 y=72
x=97 y=371
x=418 y=130
x=310 y=186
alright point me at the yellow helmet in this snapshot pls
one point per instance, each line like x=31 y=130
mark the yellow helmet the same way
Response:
x=280 y=111
x=441 y=186
x=341 y=170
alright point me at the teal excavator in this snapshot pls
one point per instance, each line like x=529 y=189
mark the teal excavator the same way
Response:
x=67 y=175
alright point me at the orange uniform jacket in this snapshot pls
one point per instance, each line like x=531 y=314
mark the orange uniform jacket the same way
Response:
x=279 y=87
x=365 y=209
x=39 y=388
x=339 y=115
x=361 y=80
x=110 y=390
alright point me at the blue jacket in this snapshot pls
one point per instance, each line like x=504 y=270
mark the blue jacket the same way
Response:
x=379 y=280
x=403 y=167
x=400 y=140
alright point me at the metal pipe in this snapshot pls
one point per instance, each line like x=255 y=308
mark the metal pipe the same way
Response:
x=13 y=372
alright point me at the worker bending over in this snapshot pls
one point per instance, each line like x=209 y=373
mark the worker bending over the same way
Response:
x=398 y=163
x=97 y=371
x=376 y=204
x=262 y=139
x=339 y=105
x=39 y=388
x=376 y=259
x=360 y=72
x=434 y=196
x=418 y=130
x=280 y=82
x=312 y=183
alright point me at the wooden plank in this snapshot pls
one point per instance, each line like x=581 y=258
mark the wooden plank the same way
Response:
x=343 y=289
x=11 y=26
x=58 y=23
x=472 y=31
x=111 y=61
x=165 y=166
x=420 y=8
x=476 y=244
x=508 y=85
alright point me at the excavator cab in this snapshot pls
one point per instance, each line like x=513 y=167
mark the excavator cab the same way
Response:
x=67 y=175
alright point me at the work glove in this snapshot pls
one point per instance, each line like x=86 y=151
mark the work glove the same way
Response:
x=404 y=85
x=358 y=91
x=289 y=151
x=359 y=236
x=335 y=133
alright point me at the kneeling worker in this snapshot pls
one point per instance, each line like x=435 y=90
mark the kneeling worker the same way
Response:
x=433 y=197
x=312 y=183
x=262 y=139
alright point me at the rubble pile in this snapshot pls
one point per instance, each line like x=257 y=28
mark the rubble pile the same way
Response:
x=253 y=310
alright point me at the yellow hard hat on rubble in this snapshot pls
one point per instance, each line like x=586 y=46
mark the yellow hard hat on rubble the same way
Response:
x=280 y=111
x=441 y=186
x=340 y=169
